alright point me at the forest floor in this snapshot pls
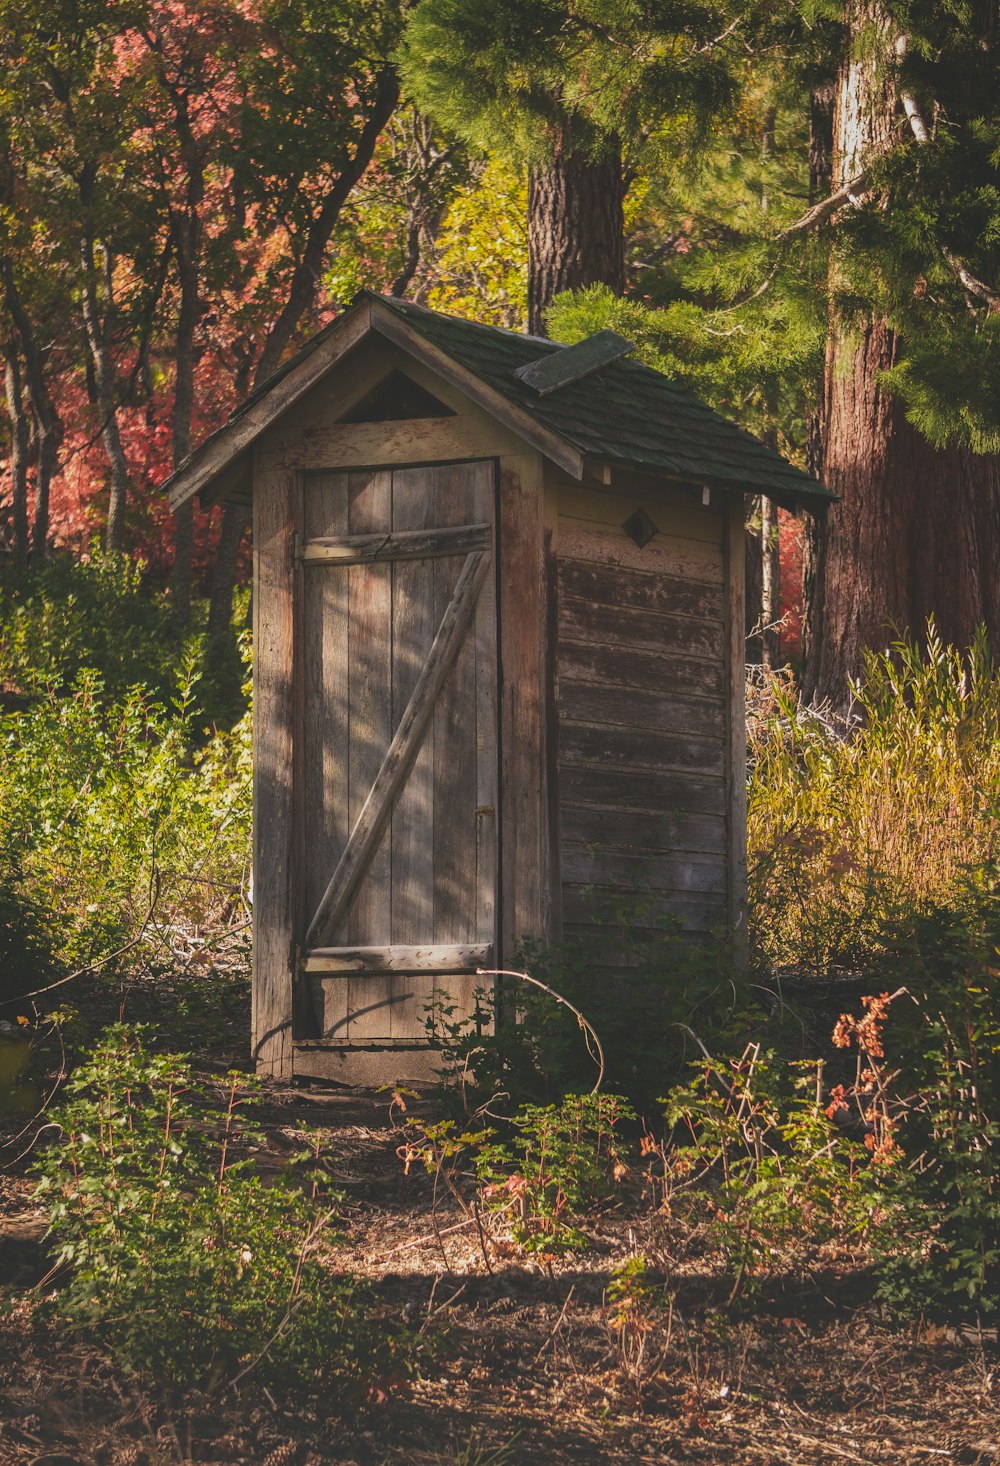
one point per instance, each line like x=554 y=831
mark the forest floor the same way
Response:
x=526 y=1364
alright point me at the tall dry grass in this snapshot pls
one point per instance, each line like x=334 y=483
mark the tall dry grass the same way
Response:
x=856 y=822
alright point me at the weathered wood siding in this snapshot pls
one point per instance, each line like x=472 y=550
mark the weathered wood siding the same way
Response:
x=644 y=729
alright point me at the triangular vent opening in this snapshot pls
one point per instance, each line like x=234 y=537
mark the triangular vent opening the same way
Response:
x=396 y=398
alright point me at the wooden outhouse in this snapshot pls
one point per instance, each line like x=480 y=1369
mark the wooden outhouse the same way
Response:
x=498 y=664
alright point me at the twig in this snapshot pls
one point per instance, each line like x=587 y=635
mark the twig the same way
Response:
x=556 y=1326
x=589 y=1030
x=109 y=957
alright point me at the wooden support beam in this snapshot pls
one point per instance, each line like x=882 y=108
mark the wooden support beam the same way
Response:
x=342 y=961
x=416 y=544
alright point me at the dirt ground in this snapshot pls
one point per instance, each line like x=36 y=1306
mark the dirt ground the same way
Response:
x=526 y=1368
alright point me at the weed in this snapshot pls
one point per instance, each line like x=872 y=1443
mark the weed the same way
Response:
x=559 y=1162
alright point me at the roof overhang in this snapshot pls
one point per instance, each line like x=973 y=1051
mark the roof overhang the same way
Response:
x=220 y=468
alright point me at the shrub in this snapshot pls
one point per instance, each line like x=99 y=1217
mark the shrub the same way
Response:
x=67 y=615
x=125 y=830
x=784 y=1181
x=559 y=1161
x=180 y=1259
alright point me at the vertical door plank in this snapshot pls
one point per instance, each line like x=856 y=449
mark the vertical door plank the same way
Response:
x=369 y=735
x=274 y=839
x=414 y=622
x=454 y=848
x=323 y=807
x=487 y=758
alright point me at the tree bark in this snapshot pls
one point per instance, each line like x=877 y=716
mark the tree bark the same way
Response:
x=917 y=530
x=821 y=100
x=18 y=450
x=575 y=228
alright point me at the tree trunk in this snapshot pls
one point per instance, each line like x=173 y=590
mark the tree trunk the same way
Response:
x=48 y=425
x=187 y=242
x=107 y=405
x=821 y=101
x=18 y=450
x=575 y=229
x=753 y=580
x=917 y=530
x=770 y=603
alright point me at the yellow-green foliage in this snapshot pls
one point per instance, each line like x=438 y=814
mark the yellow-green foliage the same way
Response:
x=480 y=265
x=853 y=824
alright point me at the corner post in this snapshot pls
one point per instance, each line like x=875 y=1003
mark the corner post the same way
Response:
x=526 y=706
x=274 y=527
x=736 y=728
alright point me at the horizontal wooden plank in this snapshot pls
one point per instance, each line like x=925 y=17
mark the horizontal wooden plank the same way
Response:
x=629 y=707
x=581 y=620
x=664 y=670
x=417 y=544
x=633 y=749
x=703 y=834
x=617 y=955
x=587 y=908
x=608 y=507
x=419 y=440
x=584 y=865
x=669 y=553
x=627 y=789
x=342 y=961
x=645 y=590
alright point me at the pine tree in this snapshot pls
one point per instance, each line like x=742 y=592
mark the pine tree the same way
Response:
x=913 y=342
x=573 y=94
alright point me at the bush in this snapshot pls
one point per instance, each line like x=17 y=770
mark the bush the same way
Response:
x=181 y=1261
x=67 y=615
x=558 y=1162
x=125 y=830
x=785 y=1183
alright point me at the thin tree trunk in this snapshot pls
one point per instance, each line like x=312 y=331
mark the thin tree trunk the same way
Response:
x=770 y=605
x=821 y=101
x=107 y=405
x=753 y=580
x=575 y=228
x=187 y=244
x=18 y=449
x=220 y=606
x=48 y=425
x=917 y=530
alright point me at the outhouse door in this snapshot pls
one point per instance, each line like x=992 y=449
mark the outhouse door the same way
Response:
x=398 y=761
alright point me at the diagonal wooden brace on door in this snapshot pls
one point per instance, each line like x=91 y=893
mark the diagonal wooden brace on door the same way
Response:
x=402 y=751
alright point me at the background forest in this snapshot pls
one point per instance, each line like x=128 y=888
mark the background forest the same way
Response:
x=794 y=210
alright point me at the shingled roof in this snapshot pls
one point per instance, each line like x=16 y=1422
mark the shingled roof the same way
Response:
x=623 y=413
